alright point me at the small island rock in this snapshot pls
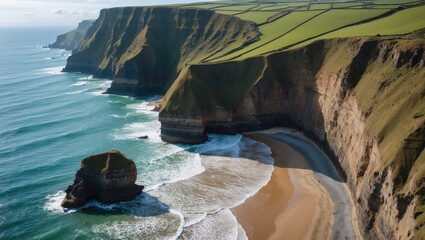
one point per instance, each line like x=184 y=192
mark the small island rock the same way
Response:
x=107 y=177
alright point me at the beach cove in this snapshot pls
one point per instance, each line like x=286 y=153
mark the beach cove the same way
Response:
x=304 y=199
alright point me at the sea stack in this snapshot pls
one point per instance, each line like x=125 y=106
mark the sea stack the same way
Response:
x=108 y=177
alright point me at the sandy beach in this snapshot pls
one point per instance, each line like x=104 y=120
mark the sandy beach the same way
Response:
x=295 y=203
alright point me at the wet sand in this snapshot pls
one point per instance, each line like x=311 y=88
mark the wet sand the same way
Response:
x=292 y=205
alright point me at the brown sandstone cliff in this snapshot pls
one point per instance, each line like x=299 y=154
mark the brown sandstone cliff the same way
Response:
x=143 y=49
x=362 y=100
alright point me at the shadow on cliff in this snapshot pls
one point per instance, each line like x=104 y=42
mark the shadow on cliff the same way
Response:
x=291 y=83
x=317 y=160
x=144 y=205
x=287 y=94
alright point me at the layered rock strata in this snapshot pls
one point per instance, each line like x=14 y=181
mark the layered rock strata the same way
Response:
x=107 y=177
x=143 y=49
x=361 y=100
x=72 y=39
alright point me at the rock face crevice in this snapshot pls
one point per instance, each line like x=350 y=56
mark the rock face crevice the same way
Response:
x=143 y=49
x=360 y=99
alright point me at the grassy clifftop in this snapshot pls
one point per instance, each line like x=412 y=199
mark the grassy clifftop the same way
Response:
x=144 y=48
x=289 y=24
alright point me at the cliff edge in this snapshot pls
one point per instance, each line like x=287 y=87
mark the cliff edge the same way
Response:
x=143 y=49
x=361 y=100
x=72 y=39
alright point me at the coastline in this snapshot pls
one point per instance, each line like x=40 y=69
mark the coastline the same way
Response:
x=300 y=201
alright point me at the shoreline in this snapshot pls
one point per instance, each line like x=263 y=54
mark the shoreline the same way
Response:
x=302 y=200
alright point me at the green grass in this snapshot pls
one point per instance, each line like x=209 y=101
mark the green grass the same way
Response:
x=325 y=22
x=346 y=5
x=228 y=12
x=236 y=8
x=402 y=22
x=258 y=17
x=280 y=34
x=320 y=6
x=261 y=6
x=273 y=30
x=394 y=1
x=204 y=6
x=276 y=7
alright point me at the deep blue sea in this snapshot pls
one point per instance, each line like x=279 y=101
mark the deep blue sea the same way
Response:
x=50 y=121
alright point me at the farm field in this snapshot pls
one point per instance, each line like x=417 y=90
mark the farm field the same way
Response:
x=290 y=24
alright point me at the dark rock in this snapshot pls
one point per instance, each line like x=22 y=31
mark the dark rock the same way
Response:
x=143 y=137
x=107 y=177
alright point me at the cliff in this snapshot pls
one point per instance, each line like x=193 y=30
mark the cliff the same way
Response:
x=72 y=39
x=143 y=49
x=360 y=99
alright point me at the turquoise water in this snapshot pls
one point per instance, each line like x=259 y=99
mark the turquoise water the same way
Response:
x=50 y=120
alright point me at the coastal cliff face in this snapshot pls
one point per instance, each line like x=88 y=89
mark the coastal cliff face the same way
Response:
x=71 y=40
x=143 y=49
x=360 y=99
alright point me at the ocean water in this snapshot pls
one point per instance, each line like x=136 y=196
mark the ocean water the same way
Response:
x=50 y=120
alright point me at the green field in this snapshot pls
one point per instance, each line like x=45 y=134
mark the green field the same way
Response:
x=288 y=24
x=270 y=32
x=257 y=17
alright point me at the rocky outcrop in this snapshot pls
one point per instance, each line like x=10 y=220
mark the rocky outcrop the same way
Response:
x=361 y=99
x=107 y=177
x=71 y=40
x=143 y=49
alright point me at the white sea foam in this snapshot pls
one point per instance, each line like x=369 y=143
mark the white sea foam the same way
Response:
x=241 y=233
x=137 y=129
x=193 y=218
x=54 y=70
x=151 y=220
x=80 y=83
x=221 y=225
x=142 y=108
x=225 y=183
x=97 y=86
x=170 y=169
x=86 y=78
x=53 y=203
x=97 y=93
x=165 y=226
x=79 y=91
x=216 y=142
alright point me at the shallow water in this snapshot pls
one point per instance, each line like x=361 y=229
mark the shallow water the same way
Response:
x=50 y=120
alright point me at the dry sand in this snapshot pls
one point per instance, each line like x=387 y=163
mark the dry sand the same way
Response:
x=292 y=205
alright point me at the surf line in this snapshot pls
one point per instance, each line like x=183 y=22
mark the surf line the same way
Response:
x=305 y=197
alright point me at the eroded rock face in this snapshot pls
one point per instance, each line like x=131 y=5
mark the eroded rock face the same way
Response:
x=107 y=177
x=144 y=48
x=360 y=99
